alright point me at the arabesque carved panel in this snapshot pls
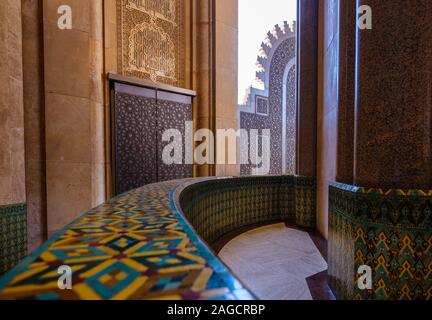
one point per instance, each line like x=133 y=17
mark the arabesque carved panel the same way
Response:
x=151 y=40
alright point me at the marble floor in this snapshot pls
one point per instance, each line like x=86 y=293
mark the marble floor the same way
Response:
x=274 y=262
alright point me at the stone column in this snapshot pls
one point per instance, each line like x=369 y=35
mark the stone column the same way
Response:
x=307 y=89
x=214 y=78
x=393 y=107
x=74 y=108
x=12 y=154
x=34 y=118
x=226 y=74
x=202 y=80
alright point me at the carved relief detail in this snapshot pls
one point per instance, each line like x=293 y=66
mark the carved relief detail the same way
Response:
x=162 y=9
x=151 y=40
x=152 y=51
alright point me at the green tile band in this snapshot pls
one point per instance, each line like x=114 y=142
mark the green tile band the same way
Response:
x=217 y=207
x=13 y=235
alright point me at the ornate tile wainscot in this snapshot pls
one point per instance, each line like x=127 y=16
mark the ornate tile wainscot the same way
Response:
x=13 y=235
x=388 y=230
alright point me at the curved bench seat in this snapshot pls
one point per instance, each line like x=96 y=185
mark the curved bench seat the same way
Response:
x=147 y=243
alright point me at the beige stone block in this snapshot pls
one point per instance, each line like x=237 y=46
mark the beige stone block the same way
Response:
x=13 y=18
x=108 y=181
x=202 y=123
x=34 y=128
x=111 y=11
x=98 y=184
x=111 y=60
x=110 y=34
x=81 y=13
x=227 y=44
x=227 y=12
x=3 y=61
x=203 y=99
x=68 y=54
x=16 y=145
x=227 y=170
x=202 y=8
x=96 y=73
x=17 y=188
x=96 y=19
x=68 y=193
x=107 y=135
x=230 y=151
x=97 y=131
x=5 y=184
x=36 y=203
x=30 y=9
x=16 y=103
x=5 y=154
x=35 y=185
x=226 y=123
x=68 y=133
x=226 y=93
x=34 y=242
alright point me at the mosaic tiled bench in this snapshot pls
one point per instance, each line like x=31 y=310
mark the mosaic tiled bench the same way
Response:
x=152 y=243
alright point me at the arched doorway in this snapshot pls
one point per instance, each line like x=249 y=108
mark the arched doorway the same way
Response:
x=274 y=105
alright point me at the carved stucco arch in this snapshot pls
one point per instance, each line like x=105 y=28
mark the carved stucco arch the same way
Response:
x=277 y=74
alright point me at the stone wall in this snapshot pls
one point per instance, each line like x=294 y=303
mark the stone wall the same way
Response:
x=74 y=113
x=12 y=148
x=12 y=164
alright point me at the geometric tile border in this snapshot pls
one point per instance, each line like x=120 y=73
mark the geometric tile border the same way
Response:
x=388 y=230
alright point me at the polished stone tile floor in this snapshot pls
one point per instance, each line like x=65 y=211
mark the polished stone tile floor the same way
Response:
x=274 y=262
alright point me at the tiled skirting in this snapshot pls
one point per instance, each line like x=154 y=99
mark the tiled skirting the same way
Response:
x=217 y=207
x=13 y=235
x=389 y=231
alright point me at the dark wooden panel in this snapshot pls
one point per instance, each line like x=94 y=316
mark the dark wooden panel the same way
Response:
x=135 y=141
x=172 y=114
x=141 y=116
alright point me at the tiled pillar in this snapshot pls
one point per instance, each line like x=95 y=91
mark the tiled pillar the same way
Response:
x=380 y=219
x=74 y=111
x=12 y=153
x=394 y=108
